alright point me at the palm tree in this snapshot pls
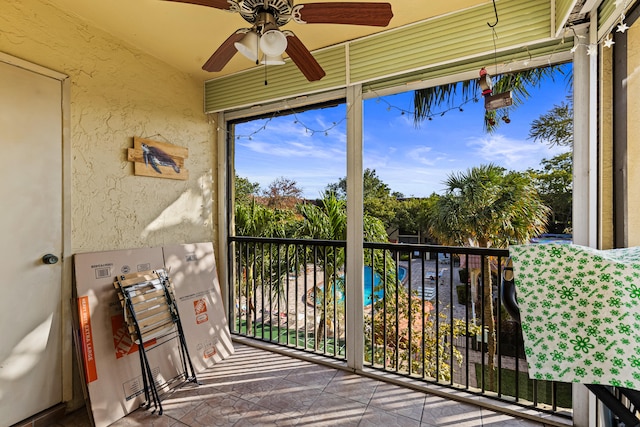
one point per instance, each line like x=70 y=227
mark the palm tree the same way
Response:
x=253 y=219
x=492 y=208
x=427 y=99
x=329 y=222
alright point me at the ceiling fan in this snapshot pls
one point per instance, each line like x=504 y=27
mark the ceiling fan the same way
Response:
x=266 y=38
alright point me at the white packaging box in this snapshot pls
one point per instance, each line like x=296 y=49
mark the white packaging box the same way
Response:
x=192 y=270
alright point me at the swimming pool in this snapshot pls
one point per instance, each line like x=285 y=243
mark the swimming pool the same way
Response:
x=379 y=293
x=368 y=289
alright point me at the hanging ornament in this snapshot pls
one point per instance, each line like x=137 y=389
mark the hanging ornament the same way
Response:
x=485 y=82
x=608 y=42
x=492 y=102
x=622 y=27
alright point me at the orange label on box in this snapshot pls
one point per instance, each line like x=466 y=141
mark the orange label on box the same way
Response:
x=200 y=307
x=209 y=352
x=84 y=314
x=121 y=338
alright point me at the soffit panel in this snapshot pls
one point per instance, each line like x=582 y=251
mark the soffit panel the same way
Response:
x=562 y=13
x=448 y=38
x=185 y=35
x=605 y=11
x=284 y=81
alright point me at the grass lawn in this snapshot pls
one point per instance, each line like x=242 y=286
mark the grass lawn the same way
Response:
x=282 y=335
x=526 y=387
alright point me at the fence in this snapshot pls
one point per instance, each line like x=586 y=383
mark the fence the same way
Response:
x=431 y=312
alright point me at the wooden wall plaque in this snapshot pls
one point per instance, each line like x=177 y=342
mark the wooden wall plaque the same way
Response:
x=158 y=159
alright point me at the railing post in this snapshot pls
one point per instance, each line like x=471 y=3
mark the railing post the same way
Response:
x=354 y=253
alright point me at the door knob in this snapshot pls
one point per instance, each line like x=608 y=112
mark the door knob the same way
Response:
x=50 y=259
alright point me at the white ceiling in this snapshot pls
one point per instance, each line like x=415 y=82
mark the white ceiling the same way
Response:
x=185 y=35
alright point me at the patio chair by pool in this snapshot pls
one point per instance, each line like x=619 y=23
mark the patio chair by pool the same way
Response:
x=431 y=275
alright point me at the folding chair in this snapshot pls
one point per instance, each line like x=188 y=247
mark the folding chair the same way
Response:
x=152 y=319
x=623 y=403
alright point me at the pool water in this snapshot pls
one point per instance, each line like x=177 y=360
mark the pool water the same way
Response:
x=368 y=289
x=369 y=295
x=552 y=238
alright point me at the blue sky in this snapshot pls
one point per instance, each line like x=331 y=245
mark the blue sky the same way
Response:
x=310 y=147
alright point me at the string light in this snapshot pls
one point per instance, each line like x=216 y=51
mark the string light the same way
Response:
x=255 y=132
x=296 y=121
x=431 y=115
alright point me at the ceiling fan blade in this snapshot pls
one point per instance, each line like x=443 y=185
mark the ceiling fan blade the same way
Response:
x=374 y=14
x=303 y=59
x=218 y=4
x=224 y=53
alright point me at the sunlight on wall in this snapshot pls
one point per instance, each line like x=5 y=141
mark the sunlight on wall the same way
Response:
x=606 y=156
x=191 y=207
x=27 y=353
x=632 y=84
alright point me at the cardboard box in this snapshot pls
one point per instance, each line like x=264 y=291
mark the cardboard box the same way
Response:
x=192 y=270
x=111 y=362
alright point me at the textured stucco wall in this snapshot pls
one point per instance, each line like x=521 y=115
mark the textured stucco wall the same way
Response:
x=632 y=83
x=117 y=93
x=606 y=151
x=633 y=131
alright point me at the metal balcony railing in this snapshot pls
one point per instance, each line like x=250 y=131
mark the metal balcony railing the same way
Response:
x=430 y=312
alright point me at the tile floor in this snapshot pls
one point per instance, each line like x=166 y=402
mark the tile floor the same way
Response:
x=255 y=387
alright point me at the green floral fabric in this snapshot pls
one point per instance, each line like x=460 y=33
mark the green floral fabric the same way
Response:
x=580 y=312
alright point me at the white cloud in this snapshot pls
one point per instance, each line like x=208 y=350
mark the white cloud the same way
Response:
x=512 y=154
x=290 y=145
x=424 y=155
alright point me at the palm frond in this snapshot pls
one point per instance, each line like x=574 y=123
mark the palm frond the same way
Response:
x=426 y=101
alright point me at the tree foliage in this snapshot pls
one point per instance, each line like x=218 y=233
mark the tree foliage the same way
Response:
x=328 y=221
x=378 y=200
x=554 y=183
x=283 y=193
x=245 y=190
x=554 y=127
x=554 y=180
x=489 y=206
x=269 y=265
x=256 y=220
x=413 y=215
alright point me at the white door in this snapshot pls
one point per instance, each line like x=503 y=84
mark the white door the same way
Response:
x=30 y=228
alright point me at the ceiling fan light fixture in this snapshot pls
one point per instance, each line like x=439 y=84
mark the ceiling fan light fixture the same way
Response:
x=272 y=60
x=273 y=43
x=248 y=46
